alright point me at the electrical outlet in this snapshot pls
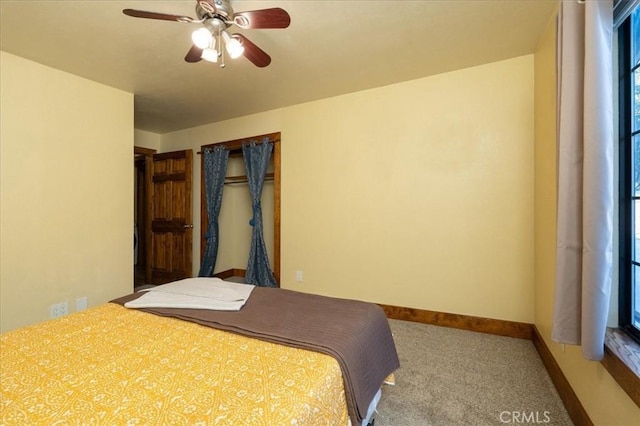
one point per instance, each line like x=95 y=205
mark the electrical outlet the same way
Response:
x=299 y=276
x=59 y=309
x=81 y=304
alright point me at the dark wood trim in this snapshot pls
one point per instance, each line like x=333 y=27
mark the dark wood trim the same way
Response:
x=230 y=273
x=140 y=219
x=276 y=207
x=519 y=330
x=622 y=374
x=148 y=173
x=571 y=402
x=243 y=178
x=223 y=275
x=174 y=155
x=236 y=144
x=147 y=153
x=138 y=150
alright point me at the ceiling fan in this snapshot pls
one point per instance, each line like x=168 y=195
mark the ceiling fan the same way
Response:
x=216 y=16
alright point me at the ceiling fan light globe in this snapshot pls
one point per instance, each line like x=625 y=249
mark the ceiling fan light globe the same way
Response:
x=234 y=48
x=201 y=38
x=235 y=52
x=210 y=55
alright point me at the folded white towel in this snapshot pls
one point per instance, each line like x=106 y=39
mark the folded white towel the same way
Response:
x=195 y=293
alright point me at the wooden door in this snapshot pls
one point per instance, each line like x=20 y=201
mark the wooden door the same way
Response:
x=170 y=221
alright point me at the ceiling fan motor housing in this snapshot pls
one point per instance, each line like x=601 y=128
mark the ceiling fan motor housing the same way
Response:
x=222 y=9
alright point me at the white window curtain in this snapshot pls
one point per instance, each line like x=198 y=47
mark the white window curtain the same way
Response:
x=585 y=175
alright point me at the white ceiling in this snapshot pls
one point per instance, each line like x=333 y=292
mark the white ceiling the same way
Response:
x=331 y=48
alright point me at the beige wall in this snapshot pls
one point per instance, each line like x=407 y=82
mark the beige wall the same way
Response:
x=418 y=194
x=66 y=191
x=144 y=139
x=605 y=402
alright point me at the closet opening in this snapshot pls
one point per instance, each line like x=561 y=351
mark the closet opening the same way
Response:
x=236 y=211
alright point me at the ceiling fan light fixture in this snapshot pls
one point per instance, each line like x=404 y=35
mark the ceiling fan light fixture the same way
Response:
x=233 y=45
x=202 y=38
x=215 y=17
x=210 y=55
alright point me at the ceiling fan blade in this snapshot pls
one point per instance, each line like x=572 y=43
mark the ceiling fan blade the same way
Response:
x=194 y=54
x=252 y=52
x=156 y=15
x=264 y=18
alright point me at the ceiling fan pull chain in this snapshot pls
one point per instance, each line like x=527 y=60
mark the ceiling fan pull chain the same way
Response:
x=222 y=64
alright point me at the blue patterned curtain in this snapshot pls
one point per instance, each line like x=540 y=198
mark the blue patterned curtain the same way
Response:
x=256 y=161
x=214 y=169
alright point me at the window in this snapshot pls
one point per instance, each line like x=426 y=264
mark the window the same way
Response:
x=629 y=130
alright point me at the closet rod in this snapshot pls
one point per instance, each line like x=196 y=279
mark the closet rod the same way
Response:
x=243 y=179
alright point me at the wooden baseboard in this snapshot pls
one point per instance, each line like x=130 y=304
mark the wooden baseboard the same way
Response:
x=230 y=273
x=519 y=330
x=571 y=402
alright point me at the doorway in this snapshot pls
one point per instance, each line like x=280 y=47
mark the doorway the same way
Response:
x=141 y=159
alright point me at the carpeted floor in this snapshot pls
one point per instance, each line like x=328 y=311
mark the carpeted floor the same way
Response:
x=454 y=377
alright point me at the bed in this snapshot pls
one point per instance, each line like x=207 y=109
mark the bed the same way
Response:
x=179 y=365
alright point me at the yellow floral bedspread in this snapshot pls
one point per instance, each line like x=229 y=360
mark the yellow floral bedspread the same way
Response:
x=113 y=366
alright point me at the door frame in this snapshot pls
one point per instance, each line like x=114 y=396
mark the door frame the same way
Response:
x=148 y=154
